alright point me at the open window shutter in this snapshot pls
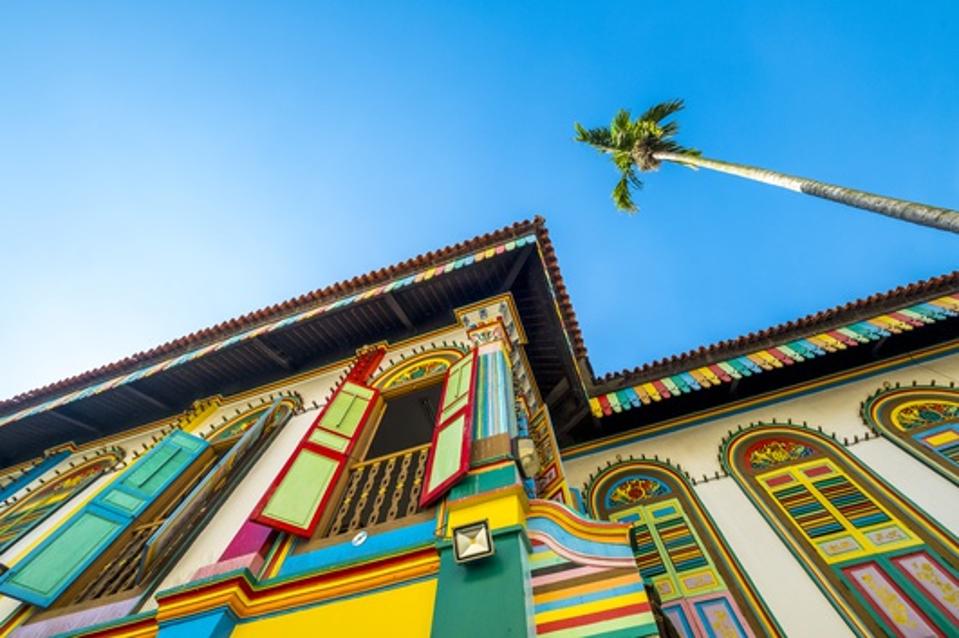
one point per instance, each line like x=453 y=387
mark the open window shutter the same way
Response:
x=213 y=489
x=449 y=458
x=296 y=500
x=48 y=570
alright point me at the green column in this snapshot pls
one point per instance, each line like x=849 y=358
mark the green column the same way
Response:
x=486 y=598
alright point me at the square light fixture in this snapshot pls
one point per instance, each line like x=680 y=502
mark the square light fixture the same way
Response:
x=472 y=542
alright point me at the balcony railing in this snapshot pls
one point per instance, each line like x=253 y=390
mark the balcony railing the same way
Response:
x=381 y=490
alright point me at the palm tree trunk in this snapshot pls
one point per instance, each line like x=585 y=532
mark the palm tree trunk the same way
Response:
x=933 y=216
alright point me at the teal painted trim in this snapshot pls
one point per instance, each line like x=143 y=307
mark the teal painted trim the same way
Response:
x=216 y=624
x=850 y=465
x=587 y=598
x=718 y=549
x=75 y=633
x=639 y=436
x=489 y=597
x=911 y=592
x=33 y=473
x=12 y=583
x=241 y=572
x=910 y=446
x=377 y=545
x=473 y=484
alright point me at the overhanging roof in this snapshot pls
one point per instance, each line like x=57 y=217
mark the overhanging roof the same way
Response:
x=309 y=331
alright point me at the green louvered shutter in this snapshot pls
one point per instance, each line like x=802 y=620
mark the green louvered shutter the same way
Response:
x=449 y=458
x=48 y=570
x=296 y=499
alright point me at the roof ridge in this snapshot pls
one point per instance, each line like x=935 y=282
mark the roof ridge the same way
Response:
x=792 y=329
x=331 y=292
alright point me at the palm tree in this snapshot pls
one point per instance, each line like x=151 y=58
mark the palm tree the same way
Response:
x=642 y=144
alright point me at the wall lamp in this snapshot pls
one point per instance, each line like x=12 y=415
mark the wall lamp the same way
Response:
x=472 y=542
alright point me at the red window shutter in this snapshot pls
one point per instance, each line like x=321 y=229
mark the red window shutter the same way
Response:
x=449 y=457
x=297 y=498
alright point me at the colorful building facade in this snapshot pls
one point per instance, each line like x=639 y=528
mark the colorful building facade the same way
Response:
x=425 y=450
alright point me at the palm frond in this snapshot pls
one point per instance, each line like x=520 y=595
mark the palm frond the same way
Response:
x=622 y=196
x=599 y=138
x=659 y=112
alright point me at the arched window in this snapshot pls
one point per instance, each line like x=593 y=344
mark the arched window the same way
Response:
x=887 y=567
x=923 y=420
x=33 y=508
x=679 y=550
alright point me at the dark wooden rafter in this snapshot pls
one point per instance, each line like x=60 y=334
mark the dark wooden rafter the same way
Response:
x=66 y=418
x=143 y=396
x=398 y=311
x=271 y=353
x=558 y=392
x=517 y=268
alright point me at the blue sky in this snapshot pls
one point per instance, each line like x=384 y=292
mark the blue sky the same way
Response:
x=164 y=168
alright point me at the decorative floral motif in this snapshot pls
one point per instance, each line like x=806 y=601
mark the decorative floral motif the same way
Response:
x=237 y=427
x=913 y=415
x=770 y=453
x=634 y=489
x=425 y=369
x=32 y=509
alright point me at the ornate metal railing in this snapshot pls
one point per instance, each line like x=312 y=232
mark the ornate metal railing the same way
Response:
x=381 y=490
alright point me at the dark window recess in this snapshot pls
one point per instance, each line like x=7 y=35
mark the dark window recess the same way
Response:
x=407 y=421
x=387 y=486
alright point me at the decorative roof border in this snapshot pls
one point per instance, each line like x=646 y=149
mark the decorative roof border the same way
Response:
x=770 y=358
x=298 y=317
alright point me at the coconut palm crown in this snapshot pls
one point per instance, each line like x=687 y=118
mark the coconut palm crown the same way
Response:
x=642 y=143
x=634 y=143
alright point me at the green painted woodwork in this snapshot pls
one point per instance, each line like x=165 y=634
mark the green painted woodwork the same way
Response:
x=489 y=597
x=447 y=453
x=83 y=537
x=346 y=411
x=477 y=483
x=123 y=501
x=53 y=566
x=297 y=498
x=457 y=387
x=328 y=439
x=149 y=466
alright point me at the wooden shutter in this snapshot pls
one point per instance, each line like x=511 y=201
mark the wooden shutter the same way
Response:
x=296 y=500
x=213 y=489
x=54 y=565
x=449 y=458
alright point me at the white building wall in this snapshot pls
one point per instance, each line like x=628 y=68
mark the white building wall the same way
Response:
x=793 y=597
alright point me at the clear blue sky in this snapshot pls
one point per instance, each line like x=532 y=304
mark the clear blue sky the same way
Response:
x=165 y=168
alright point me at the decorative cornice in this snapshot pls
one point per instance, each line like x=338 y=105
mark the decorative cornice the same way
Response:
x=789 y=353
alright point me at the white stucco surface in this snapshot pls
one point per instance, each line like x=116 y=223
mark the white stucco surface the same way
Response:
x=792 y=595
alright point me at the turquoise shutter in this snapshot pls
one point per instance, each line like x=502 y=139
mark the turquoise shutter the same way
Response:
x=214 y=487
x=449 y=458
x=48 y=570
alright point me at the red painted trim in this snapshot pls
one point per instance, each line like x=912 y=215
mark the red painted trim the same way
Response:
x=258 y=515
x=427 y=498
x=604 y=404
x=935 y=601
x=719 y=372
x=365 y=366
x=342 y=459
x=662 y=389
x=595 y=617
x=876 y=609
x=906 y=319
x=849 y=341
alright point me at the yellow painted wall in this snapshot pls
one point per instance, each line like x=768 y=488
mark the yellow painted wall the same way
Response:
x=402 y=612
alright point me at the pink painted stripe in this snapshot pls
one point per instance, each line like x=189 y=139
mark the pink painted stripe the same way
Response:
x=251 y=539
x=566 y=575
